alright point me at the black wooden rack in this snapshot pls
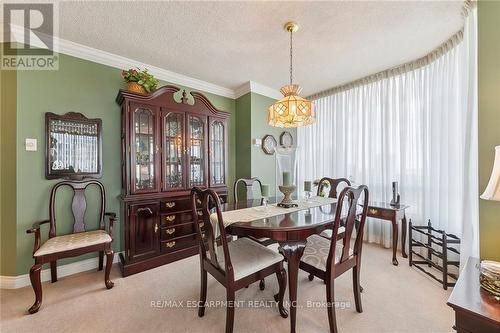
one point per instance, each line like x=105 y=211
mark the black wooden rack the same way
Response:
x=442 y=240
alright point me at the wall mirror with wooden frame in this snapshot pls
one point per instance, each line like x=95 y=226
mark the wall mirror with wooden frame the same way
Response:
x=73 y=146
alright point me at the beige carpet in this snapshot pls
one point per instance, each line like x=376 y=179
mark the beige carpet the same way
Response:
x=395 y=299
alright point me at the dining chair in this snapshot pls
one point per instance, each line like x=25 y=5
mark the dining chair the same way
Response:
x=249 y=183
x=80 y=241
x=334 y=184
x=234 y=264
x=327 y=259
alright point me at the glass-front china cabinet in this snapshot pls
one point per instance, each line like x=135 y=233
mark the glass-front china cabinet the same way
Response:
x=167 y=148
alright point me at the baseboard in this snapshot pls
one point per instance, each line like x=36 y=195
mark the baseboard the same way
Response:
x=14 y=282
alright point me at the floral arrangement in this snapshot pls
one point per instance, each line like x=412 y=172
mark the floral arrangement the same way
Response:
x=142 y=78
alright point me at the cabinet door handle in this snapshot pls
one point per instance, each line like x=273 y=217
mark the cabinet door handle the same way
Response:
x=170 y=218
x=170 y=204
x=170 y=231
x=146 y=209
x=170 y=244
x=156 y=228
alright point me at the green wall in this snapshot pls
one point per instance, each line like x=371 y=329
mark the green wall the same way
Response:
x=79 y=86
x=489 y=122
x=264 y=166
x=252 y=124
x=8 y=172
x=243 y=138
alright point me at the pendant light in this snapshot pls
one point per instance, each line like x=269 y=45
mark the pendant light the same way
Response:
x=292 y=110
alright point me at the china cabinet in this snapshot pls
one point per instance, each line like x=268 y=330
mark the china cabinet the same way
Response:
x=167 y=148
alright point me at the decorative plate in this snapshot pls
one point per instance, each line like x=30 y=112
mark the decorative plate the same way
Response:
x=269 y=144
x=286 y=139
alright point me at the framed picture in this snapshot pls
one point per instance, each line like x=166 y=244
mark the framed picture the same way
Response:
x=73 y=146
x=269 y=144
x=286 y=139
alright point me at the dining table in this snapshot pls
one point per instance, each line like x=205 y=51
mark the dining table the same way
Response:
x=291 y=230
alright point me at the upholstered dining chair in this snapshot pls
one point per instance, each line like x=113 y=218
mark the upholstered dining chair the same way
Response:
x=333 y=184
x=248 y=184
x=327 y=259
x=234 y=264
x=79 y=242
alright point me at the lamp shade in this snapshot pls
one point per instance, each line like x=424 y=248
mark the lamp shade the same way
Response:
x=292 y=110
x=492 y=191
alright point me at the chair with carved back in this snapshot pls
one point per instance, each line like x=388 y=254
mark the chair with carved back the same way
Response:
x=248 y=185
x=327 y=260
x=234 y=264
x=334 y=184
x=77 y=243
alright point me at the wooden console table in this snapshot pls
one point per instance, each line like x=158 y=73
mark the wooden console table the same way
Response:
x=476 y=310
x=384 y=211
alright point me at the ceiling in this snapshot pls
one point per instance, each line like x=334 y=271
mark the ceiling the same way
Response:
x=230 y=43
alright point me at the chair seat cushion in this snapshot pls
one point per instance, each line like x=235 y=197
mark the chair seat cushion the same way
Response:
x=248 y=257
x=328 y=232
x=73 y=241
x=317 y=249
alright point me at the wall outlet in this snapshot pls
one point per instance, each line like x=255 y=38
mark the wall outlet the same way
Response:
x=31 y=144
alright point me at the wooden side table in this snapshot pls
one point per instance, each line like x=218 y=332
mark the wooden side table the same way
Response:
x=384 y=211
x=476 y=310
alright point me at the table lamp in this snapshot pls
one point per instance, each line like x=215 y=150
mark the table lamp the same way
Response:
x=490 y=270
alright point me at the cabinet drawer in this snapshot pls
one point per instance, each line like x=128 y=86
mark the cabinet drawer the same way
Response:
x=177 y=230
x=177 y=218
x=178 y=243
x=380 y=213
x=175 y=205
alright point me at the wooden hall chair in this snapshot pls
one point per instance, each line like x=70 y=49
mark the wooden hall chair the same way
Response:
x=248 y=183
x=327 y=260
x=234 y=264
x=77 y=243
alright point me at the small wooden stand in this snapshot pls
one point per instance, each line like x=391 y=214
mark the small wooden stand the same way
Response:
x=436 y=237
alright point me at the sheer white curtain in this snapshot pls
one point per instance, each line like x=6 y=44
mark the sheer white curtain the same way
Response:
x=418 y=128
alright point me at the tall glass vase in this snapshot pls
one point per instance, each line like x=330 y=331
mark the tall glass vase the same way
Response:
x=286 y=169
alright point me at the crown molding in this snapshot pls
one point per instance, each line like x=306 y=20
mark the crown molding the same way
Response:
x=116 y=61
x=255 y=87
x=19 y=281
x=77 y=50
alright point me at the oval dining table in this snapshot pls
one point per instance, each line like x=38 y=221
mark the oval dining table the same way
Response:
x=291 y=231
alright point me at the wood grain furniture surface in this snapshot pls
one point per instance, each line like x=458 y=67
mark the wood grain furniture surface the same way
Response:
x=171 y=142
x=476 y=310
x=328 y=260
x=386 y=212
x=234 y=264
x=291 y=231
x=248 y=184
x=81 y=241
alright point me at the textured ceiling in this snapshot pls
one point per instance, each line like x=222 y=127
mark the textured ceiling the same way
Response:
x=229 y=43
